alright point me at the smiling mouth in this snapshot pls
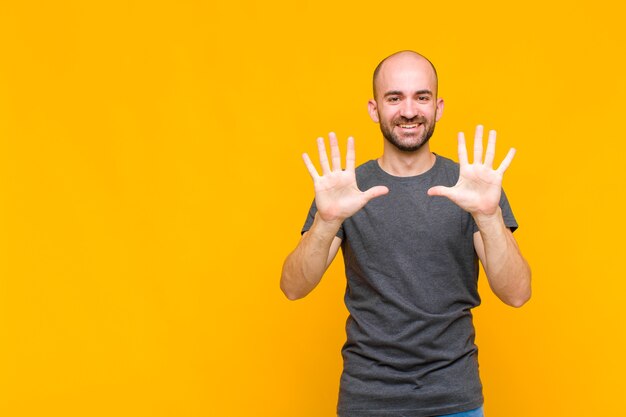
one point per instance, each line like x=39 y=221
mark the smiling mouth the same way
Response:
x=409 y=126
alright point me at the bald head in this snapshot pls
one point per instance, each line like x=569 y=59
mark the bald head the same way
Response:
x=399 y=60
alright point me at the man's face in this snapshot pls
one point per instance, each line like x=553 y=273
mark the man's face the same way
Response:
x=406 y=104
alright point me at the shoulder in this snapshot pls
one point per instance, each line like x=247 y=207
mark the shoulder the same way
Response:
x=368 y=174
x=366 y=169
x=446 y=171
x=447 y=164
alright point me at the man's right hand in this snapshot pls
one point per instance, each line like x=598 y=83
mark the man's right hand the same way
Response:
x=337 y=195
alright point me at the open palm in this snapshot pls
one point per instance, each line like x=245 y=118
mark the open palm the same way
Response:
x=337 y=195
x=479 y=186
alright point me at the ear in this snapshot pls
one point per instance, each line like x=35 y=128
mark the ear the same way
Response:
x=439 y=110
x=372 y=108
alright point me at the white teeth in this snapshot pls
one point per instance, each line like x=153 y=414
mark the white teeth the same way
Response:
x=408 y=126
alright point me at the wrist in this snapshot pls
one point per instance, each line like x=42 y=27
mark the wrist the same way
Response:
x=487 y=221
x=330 y=227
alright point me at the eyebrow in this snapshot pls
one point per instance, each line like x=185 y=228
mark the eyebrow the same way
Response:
x=399 y=93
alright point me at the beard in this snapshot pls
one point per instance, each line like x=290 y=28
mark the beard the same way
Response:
x=413 y=141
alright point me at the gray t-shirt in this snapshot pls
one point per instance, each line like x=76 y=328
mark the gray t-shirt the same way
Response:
x=412 y=275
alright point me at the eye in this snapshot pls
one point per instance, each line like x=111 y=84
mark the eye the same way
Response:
x=393 y=99
x=423 y=98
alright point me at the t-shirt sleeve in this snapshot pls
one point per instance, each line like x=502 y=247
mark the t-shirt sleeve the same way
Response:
x=309 y=222
x=507 y=214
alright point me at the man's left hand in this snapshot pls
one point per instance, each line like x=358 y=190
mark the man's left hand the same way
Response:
x=479 y=186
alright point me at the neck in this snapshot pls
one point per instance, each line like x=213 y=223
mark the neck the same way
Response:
x=406 y=164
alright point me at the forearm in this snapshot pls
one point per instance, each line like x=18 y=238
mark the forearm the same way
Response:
x=304 y=267
x=507 y=271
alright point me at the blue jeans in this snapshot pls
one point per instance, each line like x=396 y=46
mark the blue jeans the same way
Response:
x=478 y=412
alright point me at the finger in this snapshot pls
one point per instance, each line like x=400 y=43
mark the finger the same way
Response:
x=321 y=148
x=462 y=150
x=375 y=192
x=439 y=190
x=491 y=149
x=507 y=161
x=478 y=145
x=335 y=154
x=310 y=167
x=350 y=158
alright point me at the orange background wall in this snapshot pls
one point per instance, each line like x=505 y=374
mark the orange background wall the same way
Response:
x=151 y=185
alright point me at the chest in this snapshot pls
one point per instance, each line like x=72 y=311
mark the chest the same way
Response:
x=409 y=219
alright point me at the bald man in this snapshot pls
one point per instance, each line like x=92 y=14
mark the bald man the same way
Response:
x=412 y=226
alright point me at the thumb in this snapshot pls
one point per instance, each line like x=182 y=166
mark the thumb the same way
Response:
x=439 y=190
x=375 y=192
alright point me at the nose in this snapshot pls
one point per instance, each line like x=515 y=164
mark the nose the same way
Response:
x=409 y=109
